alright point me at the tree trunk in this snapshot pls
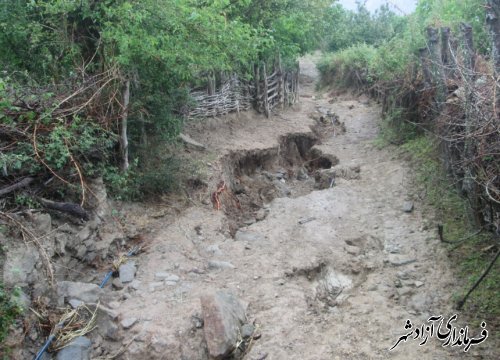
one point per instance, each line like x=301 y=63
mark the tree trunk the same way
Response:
x=266 y=91
x=424 y=61
x=123 y=128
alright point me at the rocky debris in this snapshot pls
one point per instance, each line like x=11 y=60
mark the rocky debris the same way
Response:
x=408 y=206
x=352 y=250
x=127 y=272
x=325 y=178
x=191 y=142
x=106 y=326
x=330 y=286
x=127 y=323
x=283 y=190
x=220 y=265
x=78 y=349
x=249 y=236
x=88 y=293
x=223 y=317
x=400 y=260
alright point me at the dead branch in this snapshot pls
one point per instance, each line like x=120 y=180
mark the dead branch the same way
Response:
x=19 y=185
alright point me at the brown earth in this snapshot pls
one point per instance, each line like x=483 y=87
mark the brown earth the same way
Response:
x=329 y=264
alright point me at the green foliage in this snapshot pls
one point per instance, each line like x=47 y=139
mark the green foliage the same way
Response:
x=10 y=309
x=451 y=210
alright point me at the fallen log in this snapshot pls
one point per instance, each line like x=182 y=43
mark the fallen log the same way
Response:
x=19 y=185
x=69 y=208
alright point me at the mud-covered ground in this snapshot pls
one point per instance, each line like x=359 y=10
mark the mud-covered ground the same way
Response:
x=311 y=234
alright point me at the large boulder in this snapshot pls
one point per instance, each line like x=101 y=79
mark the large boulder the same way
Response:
x=223 y=316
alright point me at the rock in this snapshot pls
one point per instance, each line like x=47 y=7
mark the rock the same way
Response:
x=191 y=142
x=223 y=315
x=136 y=284
x=84 y=233
x=117 y=283
x=352 y=250
x=127 y=272
x=302 y=174
x=221 y=265
x=261 y=214
x=400 y=260
x=156 y=286
x=403 y=275
x=242 y=235
x=19 y=266
x=408 y=206
x=78 y=349
x=166 y=276
x=418 y=284
x=305 y=220
x=61 y=240
x=75 y=303
x=105 y=325
x=247 y=331
x=171 y=283
x=283 y=190
x=392 y=248
x=250 y=221
x=127 y=323
x=88 y=293
x=213 y=250
x=43 y=223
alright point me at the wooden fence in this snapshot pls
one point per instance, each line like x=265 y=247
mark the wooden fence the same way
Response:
x=264 y=93
x=466 y=114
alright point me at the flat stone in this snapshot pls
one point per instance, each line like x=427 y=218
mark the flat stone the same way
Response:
x=220 y=265
x=223 y=315
x=418 y=284
x=127 y=323
x=171 y=283
x=19 y=265
x=88 y=293
x=250 y=236
x=78 y=349
x=400 y=260
x=408 y=206
x=127 y=272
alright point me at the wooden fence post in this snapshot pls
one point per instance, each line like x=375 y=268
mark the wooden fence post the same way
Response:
x=436 y=68
x=469 y=185
x=266 y=94
x=281 y=84
x=446 y=55
x=493 y=21
x=424 y=61
x=256 y=71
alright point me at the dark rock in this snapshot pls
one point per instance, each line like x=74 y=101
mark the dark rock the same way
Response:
x=78 y=349
x=408 y=206
x=127 y=272
x=223 y=315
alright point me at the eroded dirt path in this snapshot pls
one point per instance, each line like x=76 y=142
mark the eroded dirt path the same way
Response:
x=331 y=267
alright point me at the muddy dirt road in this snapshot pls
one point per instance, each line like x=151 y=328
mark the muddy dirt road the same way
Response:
x=322 y=250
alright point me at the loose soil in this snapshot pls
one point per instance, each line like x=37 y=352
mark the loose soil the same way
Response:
x=330 y=265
